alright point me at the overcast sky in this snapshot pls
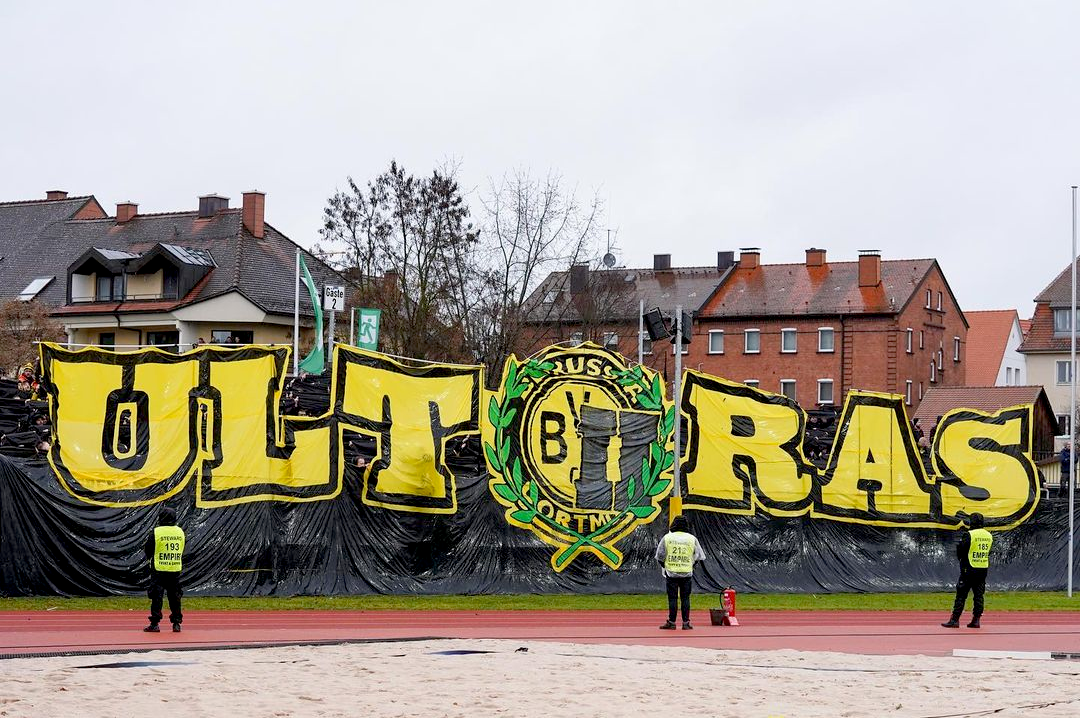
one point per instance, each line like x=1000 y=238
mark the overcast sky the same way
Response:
x=923 y=129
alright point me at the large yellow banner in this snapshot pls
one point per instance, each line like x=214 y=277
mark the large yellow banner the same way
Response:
x=577 y=442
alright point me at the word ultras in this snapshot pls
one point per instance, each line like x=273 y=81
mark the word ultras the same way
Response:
x=578 y=445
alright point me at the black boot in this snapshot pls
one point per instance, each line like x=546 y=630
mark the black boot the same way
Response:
x=974 y=623
x=152 y=628
x=668 y=626
x=953 y=622
x=176 y=628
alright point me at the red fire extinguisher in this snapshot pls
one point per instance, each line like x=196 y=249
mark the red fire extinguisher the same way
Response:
x=727 y=601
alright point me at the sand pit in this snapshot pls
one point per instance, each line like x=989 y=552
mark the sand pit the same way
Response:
x=443 y=678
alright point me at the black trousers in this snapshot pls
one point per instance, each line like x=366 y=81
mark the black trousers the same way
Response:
x=679 y=588
x=974 y=580
x=162 y=583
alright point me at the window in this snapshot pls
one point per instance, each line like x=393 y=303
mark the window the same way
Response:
x=929 y=296
x=33 y=288
x=1064 y=376
x=920 y=391
x=685 y=349
x=752 y=341
x=826 y=339
x=907 y=392
x=922 y=343
x=910 y=336
x=107 y=339
x=550 y=296
x=1061 y=321
x=1008 y=376
x=933 y=372
x=104 y=288
x=751 y=382
x=788 y=338
x=787 y=388
x=940 y=356
x=170 y=284
x=956 y=348
x=118 y=287
x=824 y=391
x=716 y=341
x=646 y=343
x=232 y=336
x=939 y=302
x=577 y=338
x=169 y=341
x=1063 y=424
x=611 y=341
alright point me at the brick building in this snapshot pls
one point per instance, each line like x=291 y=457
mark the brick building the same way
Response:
x=811 y=331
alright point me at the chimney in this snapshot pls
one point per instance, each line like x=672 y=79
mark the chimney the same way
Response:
x=211 y=204
x=661 y=262
x=869 y=267
x=724 y=260
x=126 y=211
x=749 y=257
x=579 y=278
x=815 y=257
x=255 y=212
x=56 y=194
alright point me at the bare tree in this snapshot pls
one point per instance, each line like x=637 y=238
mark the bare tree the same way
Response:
x=531 y=227
x=404 y=240
x=21 y=325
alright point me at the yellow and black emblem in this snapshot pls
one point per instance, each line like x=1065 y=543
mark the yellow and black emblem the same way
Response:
x=578 y=446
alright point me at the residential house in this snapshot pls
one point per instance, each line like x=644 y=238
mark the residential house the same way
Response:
x=993 y=340
x=169 y=279
x=1046 y=346
x=811 y=331
x=814 y=331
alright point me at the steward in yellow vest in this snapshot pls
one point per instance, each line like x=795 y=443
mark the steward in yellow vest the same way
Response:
x=973 y=553
x=165 y=550
x=676 y=553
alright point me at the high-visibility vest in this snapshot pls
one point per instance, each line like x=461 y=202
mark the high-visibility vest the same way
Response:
x=168 y=548
x=979 y=550
x=679 y=552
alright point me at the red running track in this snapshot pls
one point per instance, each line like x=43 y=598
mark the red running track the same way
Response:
x=899 y=632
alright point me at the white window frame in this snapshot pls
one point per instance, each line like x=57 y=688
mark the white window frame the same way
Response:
x=794 y=388
x=1063 y=422
x=719 y=332
x=940 y=358
x=929 y=297
x=910 y=340
x=746 y=341
x=933 y=373
x=820 y=333
x=832 y=396
x=1008 y=376
x=1058 y=366
x=907 y=392
x=577 y=338
x=920 y=391
x=646 y=343
x=939 y=301
x=922 y=339
x=685 y=348
x=610 y=338
x=794 y=333
x=752 y=382
x=956 y=348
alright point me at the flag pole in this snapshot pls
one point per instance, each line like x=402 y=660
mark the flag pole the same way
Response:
x=1072 y=398
x=296 y=321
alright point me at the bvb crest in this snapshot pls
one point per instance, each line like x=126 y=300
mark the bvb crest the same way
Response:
x=578 y=446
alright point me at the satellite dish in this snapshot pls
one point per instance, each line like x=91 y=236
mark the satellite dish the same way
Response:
x=609 y=260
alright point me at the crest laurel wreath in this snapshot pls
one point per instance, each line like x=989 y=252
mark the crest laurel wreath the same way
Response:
x=524 y=495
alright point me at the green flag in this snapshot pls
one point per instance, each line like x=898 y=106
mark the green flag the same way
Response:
x=314 y=362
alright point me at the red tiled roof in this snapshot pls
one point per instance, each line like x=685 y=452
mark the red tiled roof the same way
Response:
x=141 y=305
x=939 y=401
x=1025 y=326
x=987 y=337
x=1040 y=337
x=833 y=288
